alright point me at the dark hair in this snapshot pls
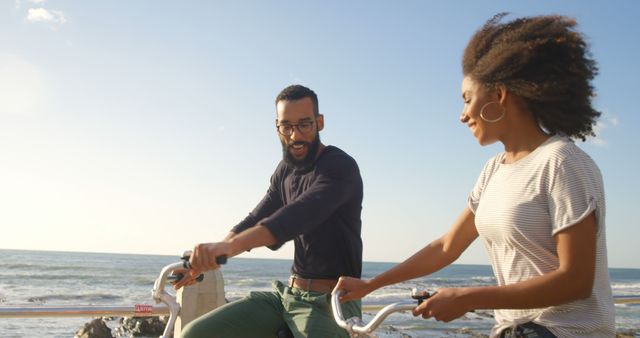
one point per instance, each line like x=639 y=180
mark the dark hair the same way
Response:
x=297 y=92
x=543 y=60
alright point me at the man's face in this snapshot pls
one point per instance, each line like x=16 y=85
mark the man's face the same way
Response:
x=297 y=119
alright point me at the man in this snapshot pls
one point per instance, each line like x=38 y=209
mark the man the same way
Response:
x=315 y=198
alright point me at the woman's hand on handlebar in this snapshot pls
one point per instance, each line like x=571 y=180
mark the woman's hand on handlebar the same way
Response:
x=353 y=288
x=445 y=305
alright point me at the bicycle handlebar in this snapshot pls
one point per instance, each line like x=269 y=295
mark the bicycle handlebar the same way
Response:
x=356 y=325
x=160 y=295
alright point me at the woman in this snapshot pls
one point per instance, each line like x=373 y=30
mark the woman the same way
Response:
x=538 y=206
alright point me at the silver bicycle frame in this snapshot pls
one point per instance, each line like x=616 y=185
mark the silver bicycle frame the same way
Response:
x=160 y=295
x=355 y=326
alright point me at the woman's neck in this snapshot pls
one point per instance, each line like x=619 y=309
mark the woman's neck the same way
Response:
x=522 y=142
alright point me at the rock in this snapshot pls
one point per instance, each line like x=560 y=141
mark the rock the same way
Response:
x=390 y=329
x=627 y=333
x=96 y=328
x=39 y=300
x=466 y=332
x=142 y=326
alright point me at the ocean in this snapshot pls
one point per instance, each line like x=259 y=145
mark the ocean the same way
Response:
x=32 y=278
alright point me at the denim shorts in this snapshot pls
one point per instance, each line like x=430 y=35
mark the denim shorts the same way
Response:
x=528 y=330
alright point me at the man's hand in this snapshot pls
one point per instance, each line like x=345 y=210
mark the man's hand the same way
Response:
x=353 y=288
x=203 y=257
x=187 y=278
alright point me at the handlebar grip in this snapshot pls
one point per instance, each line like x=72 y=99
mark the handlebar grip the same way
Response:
x=420 y=296
x=220 y=260
x=174 y=279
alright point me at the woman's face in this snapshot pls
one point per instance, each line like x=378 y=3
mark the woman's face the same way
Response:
x=476 y=97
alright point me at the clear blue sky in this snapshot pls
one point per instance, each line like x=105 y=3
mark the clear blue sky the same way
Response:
x=147 y=126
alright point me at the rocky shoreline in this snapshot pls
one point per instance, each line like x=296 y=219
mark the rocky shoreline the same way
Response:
x=121 y=327
x=151 y=327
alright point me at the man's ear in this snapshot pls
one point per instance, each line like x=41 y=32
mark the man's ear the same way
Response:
x=320 y=122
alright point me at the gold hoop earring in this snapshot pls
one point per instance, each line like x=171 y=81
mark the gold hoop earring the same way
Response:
x=504 y=111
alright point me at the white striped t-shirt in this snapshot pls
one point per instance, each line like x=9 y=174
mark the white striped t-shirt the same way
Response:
x=518 y=209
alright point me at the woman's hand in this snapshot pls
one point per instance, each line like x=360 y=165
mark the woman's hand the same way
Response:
x=445 y=305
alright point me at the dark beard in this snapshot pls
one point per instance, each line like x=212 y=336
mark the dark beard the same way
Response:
x=305 y=162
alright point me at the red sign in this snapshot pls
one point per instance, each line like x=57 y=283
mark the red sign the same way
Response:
x=143 y=308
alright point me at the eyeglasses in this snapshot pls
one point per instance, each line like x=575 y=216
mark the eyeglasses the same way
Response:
x=287 y=129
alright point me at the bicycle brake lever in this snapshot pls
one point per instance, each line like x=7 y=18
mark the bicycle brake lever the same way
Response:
x=174 y=279
x=420 y=296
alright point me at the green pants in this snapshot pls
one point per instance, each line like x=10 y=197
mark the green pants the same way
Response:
x=262 y=314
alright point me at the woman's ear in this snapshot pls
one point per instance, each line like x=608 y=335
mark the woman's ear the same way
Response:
x=502 y=93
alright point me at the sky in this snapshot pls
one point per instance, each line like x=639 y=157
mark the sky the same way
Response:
x=148 y=126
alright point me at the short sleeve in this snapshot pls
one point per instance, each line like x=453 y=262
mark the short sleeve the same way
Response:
x=474 y=196
x=576 y=190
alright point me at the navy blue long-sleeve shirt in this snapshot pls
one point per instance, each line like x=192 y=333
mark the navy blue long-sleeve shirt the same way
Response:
x=319 y=208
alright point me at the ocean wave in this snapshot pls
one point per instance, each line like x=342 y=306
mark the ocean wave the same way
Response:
x=244 y=282
x=438 y=283
x=38 y=276
x=143 y=281
x=11 y=266
x=81 y=299
x=622 y=286
x=45 y=266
